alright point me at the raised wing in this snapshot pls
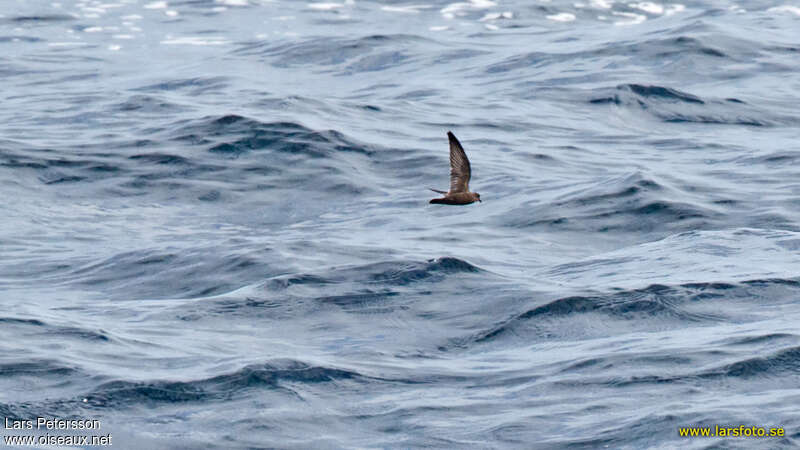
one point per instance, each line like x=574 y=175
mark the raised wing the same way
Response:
x=460 y=170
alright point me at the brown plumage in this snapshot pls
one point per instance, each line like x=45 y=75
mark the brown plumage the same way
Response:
x=460 y=172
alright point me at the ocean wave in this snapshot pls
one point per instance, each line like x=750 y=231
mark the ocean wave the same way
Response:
x=655 y=51
x=280 y=375
x=147 y=104
x=240 y=134
x=377 y=288
x=191 y=86
x=268 y=154
x=350 y=55
x=628 y=203
x=647 y=308
x=780 y=363
x=397 y=273
x=37 y=368
x=44 y=19
x=672 y=105
x=783 y=364
x=197 y=272
x=34 y=328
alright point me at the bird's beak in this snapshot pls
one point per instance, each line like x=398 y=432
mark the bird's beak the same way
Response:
x=480 y=200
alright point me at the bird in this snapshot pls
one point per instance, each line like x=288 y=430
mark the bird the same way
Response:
x=460 y=172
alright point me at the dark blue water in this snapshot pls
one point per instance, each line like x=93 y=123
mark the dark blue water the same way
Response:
x=216 y=232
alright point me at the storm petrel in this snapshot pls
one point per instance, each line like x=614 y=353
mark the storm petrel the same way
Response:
x=460 y=172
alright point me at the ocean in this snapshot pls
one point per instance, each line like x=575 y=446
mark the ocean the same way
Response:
x=216 y=231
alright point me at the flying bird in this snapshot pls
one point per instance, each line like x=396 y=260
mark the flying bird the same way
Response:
x=460 y=172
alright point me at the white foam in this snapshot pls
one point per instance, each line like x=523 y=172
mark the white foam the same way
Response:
x=93 y=29
x=648 y=7
x=489 y=26
x=114 y=47
x=132 y=17
x=325 y=6
x=602 y=4
x=408 y=9
x=561 y=17
x=156 y=5
x=122 y=36
x=171 y=13
x=233 y=2
x=439 y=28
x=786 y=8
x=460 y=8
x=635 y=19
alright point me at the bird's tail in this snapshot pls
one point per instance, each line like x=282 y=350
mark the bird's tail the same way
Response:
x=436 y=190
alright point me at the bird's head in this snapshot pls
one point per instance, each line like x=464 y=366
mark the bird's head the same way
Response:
x=478 y=197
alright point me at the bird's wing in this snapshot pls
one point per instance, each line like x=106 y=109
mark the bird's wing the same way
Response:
x=459 y=166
